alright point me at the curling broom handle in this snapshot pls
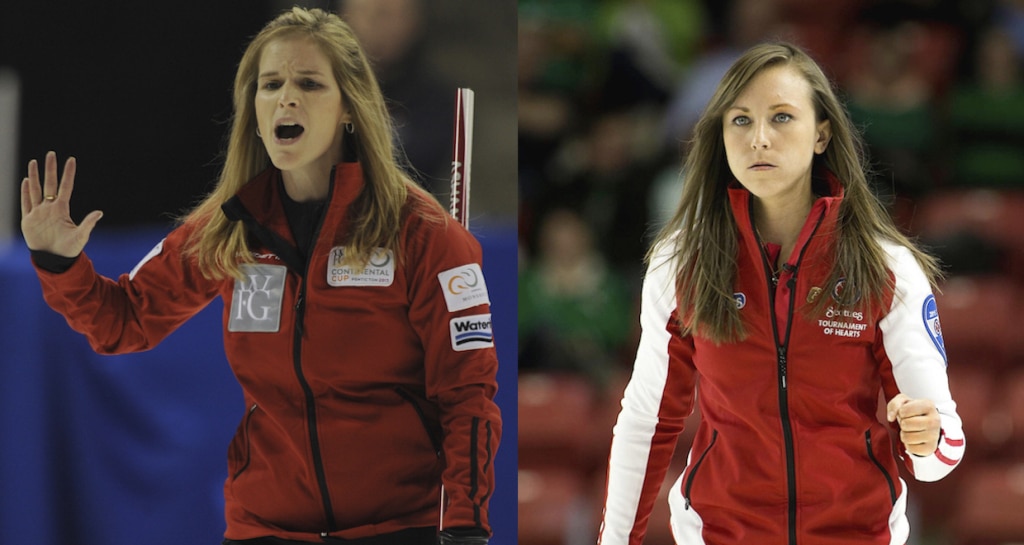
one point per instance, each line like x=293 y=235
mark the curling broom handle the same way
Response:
x=462 y=153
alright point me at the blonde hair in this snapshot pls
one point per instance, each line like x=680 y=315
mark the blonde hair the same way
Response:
x=219 y=244
x=703 y=231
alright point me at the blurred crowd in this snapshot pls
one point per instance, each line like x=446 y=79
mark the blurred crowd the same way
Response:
x=609 y=91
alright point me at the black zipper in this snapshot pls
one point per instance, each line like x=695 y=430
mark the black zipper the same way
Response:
x=435 y=441
x=248 y=443
x=696 y=466
x=888 y=478
x=314 y=438
x=781 y=347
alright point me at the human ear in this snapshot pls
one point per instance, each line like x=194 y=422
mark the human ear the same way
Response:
x=824 y=136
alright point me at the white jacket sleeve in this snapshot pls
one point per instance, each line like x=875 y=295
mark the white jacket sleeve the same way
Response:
x=912 y=339
x=657 y=400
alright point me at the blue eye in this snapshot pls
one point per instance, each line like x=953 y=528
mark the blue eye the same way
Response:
x=741 y=120
x=783 y=118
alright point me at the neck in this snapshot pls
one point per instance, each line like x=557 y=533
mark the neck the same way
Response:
x=780 y=223
x=307 y=184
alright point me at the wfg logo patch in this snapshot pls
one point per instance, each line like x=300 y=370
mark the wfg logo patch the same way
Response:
x=256 y=300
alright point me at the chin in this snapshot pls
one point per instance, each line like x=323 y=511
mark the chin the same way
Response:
x=284 y=161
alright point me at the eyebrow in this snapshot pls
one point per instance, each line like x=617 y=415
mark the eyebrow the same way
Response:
x=275 y=73
x=772 y=107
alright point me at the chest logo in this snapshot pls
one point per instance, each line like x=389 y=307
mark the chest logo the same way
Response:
x=930 y=315
x=813 y=293
x=379 y=271
x=842 y=322
x=463 y=287
x=839 y=288
x=741 y=299
x=256 y=299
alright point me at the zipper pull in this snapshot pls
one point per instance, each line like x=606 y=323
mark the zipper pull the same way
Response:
x=782 y=366
x=299 y=315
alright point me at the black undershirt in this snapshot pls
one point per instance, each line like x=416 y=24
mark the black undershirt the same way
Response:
x=303 y=218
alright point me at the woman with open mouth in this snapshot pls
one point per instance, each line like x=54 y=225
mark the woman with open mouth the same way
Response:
x=356 y=316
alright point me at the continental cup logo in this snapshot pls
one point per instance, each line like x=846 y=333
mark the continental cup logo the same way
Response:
x=930 y=315
x=463 y=287
x=379 y=271
x=256 y=299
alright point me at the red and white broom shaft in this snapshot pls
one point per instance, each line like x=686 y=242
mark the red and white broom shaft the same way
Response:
x=462 y=155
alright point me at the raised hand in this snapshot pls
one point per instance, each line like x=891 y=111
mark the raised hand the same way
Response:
x=45 y=212
x=919 y=423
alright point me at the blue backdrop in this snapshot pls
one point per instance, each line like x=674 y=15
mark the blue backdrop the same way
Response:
x=112 y=450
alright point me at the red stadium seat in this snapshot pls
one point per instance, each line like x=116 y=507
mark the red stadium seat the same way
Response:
x=1012 y=405
x=990 y=506
x=986 y=424
x=994 y=216
x=552 y=507
x=556 y=423
x=980 y=322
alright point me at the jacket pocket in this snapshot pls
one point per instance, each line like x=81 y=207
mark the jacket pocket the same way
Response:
x=246 y=443
x=696 y=467
x=434 y=437
x=874 y=460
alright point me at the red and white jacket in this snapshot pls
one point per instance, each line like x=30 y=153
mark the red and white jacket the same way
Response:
x=789 y=448
x=364 y=391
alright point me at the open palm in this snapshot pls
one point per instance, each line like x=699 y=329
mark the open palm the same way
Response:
x=46 y=220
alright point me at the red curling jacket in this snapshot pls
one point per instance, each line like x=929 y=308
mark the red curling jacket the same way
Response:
x=789 y=448
x=364 y=390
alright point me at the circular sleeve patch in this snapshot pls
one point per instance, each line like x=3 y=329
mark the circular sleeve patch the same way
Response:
x=930 y=316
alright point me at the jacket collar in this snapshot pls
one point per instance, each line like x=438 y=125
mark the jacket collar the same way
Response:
x=823 y=181
x=821 y=219
x=258 y=205
x=262 y=199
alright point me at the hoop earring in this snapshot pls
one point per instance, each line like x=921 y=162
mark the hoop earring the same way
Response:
x=350 y=128
x=258 y=132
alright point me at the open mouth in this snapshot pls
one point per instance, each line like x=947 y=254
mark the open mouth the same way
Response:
x=288 y=132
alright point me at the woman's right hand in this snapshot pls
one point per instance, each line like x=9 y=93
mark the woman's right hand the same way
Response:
x=45 y=212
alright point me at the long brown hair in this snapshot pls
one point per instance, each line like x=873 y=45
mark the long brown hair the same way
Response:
x=702 y=234
x=218 y=244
